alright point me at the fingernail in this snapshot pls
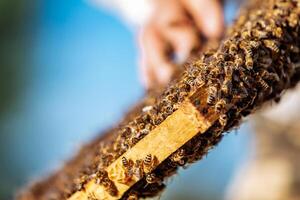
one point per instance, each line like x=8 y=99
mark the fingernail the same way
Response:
x=214 y=26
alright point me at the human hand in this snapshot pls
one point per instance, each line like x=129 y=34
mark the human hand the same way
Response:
x=174 y=29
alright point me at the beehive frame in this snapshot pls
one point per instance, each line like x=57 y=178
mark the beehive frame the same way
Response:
x=257 y=60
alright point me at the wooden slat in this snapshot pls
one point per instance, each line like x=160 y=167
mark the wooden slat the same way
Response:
x=161 y=142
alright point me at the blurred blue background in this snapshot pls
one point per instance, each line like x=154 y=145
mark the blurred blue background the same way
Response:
x=68 y=70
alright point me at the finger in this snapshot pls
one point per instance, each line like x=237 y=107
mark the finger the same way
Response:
x=155 y=57
x=146 y=75
x=208 y=16
x=177 y=29
x=183 y=38
x=169 y=12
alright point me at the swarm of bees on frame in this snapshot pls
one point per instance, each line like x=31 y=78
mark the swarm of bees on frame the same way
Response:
x=258 y=60
x=139 y=169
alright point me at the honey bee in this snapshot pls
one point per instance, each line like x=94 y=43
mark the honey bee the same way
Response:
x=134 y=141
x=80 y=182
x=105 y=157
x=264 y=84
x=246 y=34
x=226 y=47
x=204 y=73
x=152 y=178
x=132 y=196
x=238 y=61
x=199 y=82
x=296 y=65
x=142 y=133
x=178 y=157
x=126 y=132
x=212 y=95
x=102 y=179
x=254 y=44
x=168 y=109
x=226 y=87
x=284 y=5
x=249 y=62
x=262 y=23
x=220 y=105
x=270 y=76
x=159 y=119
x=278 y=12
x=246 y=79
x=193 y=71
x=138 y=169
x=265 y=62
x=260 y=34
x=117 y=145
x=233 y=48
x=184 y=88
x=92 y=196
x=293 y=20
x=150 y=162
x=148 y=128
x=216 y=71
x=278 y=32
x=170 y=166
x=294 y=49
x=244 y=92
x=274 y=77
x=128 y=173
x=219 y=56
x=127 y=163
x=172 y=98
x=111 y=188
x=248 y=51
x=272 y=45
x=147 y=108
x=190 y=81
x=223 y=119
x=101 y=174
x=228 y=68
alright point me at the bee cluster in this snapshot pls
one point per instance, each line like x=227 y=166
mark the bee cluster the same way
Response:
x=258 y=60
x=139 y=169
